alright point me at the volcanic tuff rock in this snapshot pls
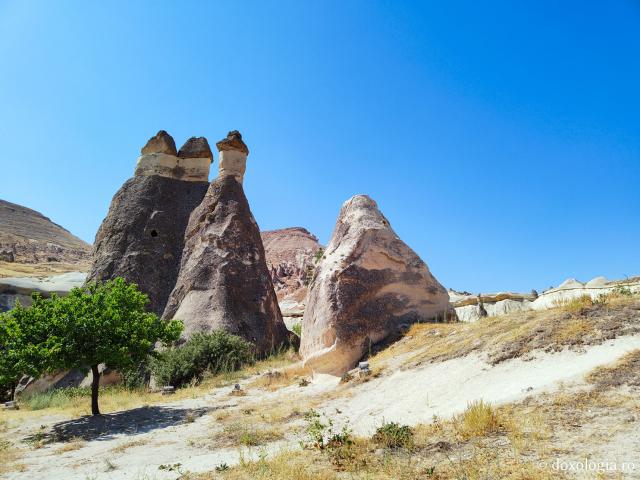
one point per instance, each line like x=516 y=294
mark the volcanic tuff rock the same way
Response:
x=162 y=142
x=368 y=287
x=224 y=282
x=142 y=237
x=233 y=156
x=291 y=258
x=196 y=147
x=32 y=245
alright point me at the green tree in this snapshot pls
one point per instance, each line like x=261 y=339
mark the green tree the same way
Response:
x=10 y=369
x=99 y=323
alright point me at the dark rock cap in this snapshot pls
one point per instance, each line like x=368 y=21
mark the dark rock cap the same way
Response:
x=233 y=142
x=162 y=142
x=196 y=147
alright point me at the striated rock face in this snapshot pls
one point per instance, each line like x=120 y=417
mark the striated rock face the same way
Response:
x=142 y=237
x=224 y=282
x=292 y=259
x=32 y=245
x=369 y=287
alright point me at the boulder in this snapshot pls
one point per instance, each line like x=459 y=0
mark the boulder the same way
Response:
x=162 y=142
x=224 y=283
x=368 y=287
x=142 y=237
x=196 y=147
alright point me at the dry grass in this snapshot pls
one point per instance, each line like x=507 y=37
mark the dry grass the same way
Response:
x=44 y=269
x=123 y=447
x=273 y=380
x=247 y=434
x=517 y=334
x=478 y=420
x=624 y=372
x=70 y=446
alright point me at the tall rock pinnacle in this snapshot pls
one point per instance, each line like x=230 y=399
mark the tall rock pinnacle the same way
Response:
x=233 y=156
x=224 y=282
x=142 y=237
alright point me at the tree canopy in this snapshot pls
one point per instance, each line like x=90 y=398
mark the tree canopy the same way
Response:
x=98 y=324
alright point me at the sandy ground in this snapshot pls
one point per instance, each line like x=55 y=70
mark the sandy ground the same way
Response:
x=149 y=442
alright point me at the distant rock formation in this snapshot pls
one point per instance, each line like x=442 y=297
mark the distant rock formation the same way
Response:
x=32 y=245
x=292 y=256
x=468 y=309
x=224 y=282
x=142 y=237
x=369 y=287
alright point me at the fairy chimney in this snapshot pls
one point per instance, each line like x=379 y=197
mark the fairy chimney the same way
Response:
x=233 y=156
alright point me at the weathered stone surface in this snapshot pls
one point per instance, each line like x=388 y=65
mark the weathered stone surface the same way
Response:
x=162 y=142
x=142 y=237
x=170 y=166
x=224 y=282
x=292 y=259
x=233 y=142
x=233 y=156
x=368 y=287
x=196 y=147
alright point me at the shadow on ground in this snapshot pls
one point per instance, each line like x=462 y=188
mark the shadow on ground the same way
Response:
x=129 y=422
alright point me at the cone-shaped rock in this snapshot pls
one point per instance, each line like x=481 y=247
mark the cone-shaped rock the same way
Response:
x=142 y=237
x=368 y=287
x=224 y=282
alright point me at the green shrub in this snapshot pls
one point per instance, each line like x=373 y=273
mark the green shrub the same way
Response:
x=297 y=329
x=394 y=435
x=213 y=352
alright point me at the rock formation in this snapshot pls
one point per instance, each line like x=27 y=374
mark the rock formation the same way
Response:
x=142 y=237
x=369 y=287
x=292 y=255
x=224 y=282
x=13 y=289
x=233 y=156
x=32 y=245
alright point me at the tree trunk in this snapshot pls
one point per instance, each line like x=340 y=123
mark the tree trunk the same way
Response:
x=95 y=385
x=13 y=391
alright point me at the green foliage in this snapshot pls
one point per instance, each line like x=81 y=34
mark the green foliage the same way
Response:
x=215 y=352
x=10 y=370
x=297 y=329
x=394 y=435
x=318 y=255
x=100 y=323
x=321 y=433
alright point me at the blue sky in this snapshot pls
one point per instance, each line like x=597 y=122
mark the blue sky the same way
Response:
x=501 y=139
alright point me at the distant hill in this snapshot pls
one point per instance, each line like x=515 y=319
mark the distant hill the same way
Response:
x=32 y=245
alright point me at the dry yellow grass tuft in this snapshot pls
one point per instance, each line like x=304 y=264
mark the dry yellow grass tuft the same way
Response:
x=123 y=447
x=71 y=445
x=478 y=420
x=273 y=380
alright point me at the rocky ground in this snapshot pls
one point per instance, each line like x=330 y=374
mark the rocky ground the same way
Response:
x=570 y=397
x=32 y=245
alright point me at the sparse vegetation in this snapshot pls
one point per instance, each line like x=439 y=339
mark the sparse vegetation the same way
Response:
x=248 y=435
x=202 y=354
x=478 y=420
x=98 y=324
x=394 y=435
x=517 y=334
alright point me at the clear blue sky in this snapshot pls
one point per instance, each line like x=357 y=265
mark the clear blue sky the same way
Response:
x=502 y=140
